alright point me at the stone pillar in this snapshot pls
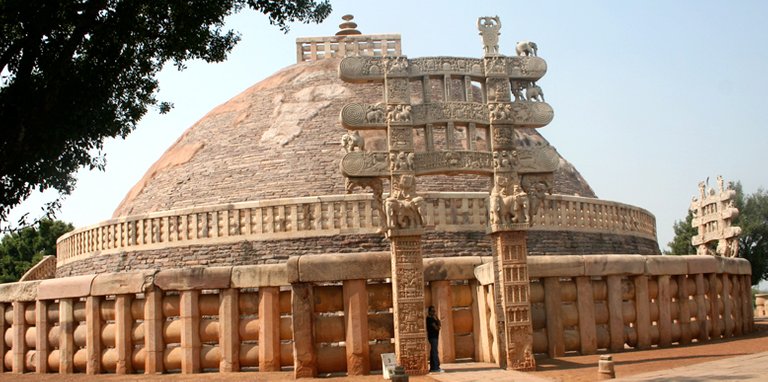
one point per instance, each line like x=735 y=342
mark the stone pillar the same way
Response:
x=303 y=309
x=510 y=257
x=442 y=299
x=93 y=329
x=19 y=329
x=643 y=312
x=229 y=330
x=153 y=335
x=123 y=329
x=66 y=336
x=747 y=316
x=480 y=323
x=663 y=300
x=408 y=302
x=727 y=311
x=41 y=342
x=355 y=297
x=3 y=345
x=552 y=307
x=701 y=308
x=714 y=309
x=190 y=331
x=615 y=313
x=586 y=305
x=269 y=329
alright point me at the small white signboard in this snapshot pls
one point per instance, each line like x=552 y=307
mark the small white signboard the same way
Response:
x=388 y=363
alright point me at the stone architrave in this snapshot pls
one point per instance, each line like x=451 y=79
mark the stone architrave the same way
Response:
x=713 y=211
x=522 y=175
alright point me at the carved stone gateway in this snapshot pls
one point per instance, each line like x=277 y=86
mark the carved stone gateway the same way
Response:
x=713 y=212
x=482 y=100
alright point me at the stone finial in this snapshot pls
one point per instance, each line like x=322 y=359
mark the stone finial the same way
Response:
x=489 y=30
x=348 y=26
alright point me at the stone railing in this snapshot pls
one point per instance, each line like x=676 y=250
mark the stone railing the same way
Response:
x=294 y=218
x=317 y=48
x=591 y=302
x=333 y=313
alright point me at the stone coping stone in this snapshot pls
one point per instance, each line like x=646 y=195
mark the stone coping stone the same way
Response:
x=666 y=265
x=70 y=287
x=743 y=265
x=700 y=264
x=265 y=275
x=730 y=265
x=194 y=278
x=603 y=265
x=343 y=266
x=484 y=273
x=556 y=266
x=20 y=291
x=123 y=283
x=452 y=268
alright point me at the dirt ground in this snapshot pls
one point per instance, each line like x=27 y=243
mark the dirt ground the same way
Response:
x=568 y=368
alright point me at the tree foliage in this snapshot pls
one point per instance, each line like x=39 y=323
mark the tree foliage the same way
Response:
x=19 y=251
x=76 y=72
x=753 y=241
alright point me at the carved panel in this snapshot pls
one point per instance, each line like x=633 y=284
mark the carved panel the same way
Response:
x=365 y=164
x=401 y=138
x=446 y=65
x=362 y=69
x=397 y=90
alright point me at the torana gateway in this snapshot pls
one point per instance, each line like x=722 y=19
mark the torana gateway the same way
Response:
x=306 y=224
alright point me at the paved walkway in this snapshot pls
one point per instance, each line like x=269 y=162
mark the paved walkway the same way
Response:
x=752 y=367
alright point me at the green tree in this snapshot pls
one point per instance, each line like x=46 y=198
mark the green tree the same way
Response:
x=20 y=250
x=76 y=72
x=753 y=241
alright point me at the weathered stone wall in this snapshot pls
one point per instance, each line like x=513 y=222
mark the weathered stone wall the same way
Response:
x=434 y=244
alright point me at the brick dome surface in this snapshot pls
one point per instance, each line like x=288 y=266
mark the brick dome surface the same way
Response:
x=281 y=138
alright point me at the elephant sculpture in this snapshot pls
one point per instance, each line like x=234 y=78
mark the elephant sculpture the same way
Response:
x=375 y=113
x=527 y=48
x=534 y=93
x=403 y=213
x=508 y=209
x=352 y=140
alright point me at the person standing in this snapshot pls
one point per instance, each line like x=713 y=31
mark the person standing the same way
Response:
x=433 y=335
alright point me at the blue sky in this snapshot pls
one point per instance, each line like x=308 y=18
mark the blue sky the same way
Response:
x=650 y=97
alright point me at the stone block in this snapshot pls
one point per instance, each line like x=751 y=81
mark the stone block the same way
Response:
x=728 y=265
x=666 y=265
x=22 y=291
x=122 y=283
x=744 y=267
x=344 y=266
x=555 y=266
x=254 y=276
x=700 y=264
x=484 y=273
x=194 y=278
x=602 y=265
x=69 y=287
x=445 y=268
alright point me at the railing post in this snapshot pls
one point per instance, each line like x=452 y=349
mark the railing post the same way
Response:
x=442 y=299
x=269 y=329
x=552 y=307
x=93 y=330
x=229 y=333
x=615 y=314
x=19 y=328
x=356 y=324
x=124 y=326
x=643 y=312
x=585 y=300
x=684 y=312
x=190 y=331
x=304 y=352
x=153 y=335
x=42 y=326
x=664 y=300
x=66 y=336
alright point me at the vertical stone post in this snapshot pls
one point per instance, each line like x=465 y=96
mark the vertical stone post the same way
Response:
x=747 y=315
x=190 y=331
x=355 y=297
x=701 y=308
x=714 y=309
x=552 y=307
x=510 y=256
x=684 y=311
x=93 y=329
x=41 y=342
x=153 y=335
x=663 y=300
x=229 y=330
x=19 y=329
x=480 y=320
x=442 y=299
x=586 y=306
x=66 y=336
x=615 y=313
x=643 y=312
x=3 y=345
x=408 y=301
x=727 y=311
x=124 y=327
x=303 y=311
x=269 y=329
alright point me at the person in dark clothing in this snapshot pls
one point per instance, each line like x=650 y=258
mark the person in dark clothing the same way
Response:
x=433 y=334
